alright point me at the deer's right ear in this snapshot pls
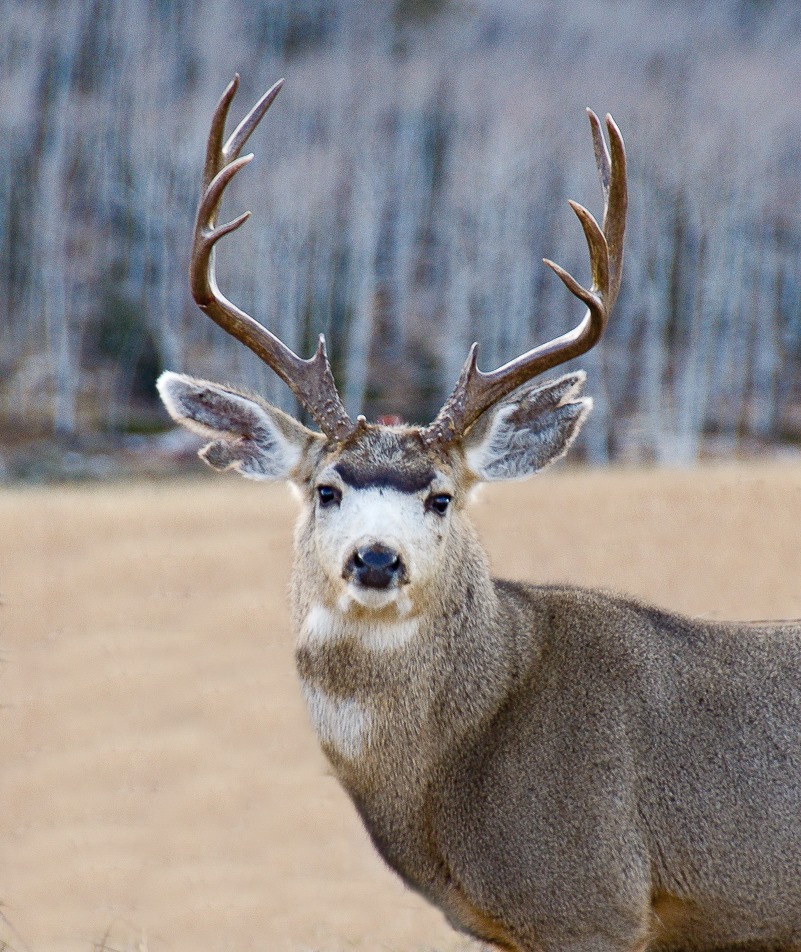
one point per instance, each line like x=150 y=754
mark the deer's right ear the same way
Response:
x=247 y=434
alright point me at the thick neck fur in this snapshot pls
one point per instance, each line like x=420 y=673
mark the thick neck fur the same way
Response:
x=390 y=695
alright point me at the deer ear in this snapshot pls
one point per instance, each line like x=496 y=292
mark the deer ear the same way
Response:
x=247 y=434
x=525 y=433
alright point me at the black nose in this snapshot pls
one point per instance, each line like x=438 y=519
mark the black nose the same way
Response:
x=375 y=566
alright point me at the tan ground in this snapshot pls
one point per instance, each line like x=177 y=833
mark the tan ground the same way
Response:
x=159 y=783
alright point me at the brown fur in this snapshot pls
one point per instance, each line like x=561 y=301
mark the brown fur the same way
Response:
x=566 y=767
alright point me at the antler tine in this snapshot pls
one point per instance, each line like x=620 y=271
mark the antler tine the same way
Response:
x=214 y=154
x=310 y=380
x=616 y=198
x=475 y=391
x=241 y=134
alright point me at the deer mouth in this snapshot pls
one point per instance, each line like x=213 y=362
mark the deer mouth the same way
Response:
x=374 y=599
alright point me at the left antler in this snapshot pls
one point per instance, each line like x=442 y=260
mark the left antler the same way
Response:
x=310 y=380
x=476 y=392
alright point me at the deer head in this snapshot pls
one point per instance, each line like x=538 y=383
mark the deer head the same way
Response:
x=383 y=517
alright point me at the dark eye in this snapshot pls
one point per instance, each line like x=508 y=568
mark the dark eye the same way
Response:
x=439 y=503
x=328 y=495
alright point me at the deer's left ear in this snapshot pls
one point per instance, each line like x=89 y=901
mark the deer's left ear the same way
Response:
x=527 y=432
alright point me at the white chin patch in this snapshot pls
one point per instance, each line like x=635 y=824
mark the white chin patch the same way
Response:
x=374 y=598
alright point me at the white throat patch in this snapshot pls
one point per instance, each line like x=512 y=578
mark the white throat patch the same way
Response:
x=324 y=625
x=343 y=724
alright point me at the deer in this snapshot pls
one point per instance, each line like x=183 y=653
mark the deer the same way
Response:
x=554 y=768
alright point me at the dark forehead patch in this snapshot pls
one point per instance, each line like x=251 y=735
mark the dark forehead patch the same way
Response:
x=406 y=479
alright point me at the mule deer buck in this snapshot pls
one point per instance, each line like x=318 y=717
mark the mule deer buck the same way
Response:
x=554 y=768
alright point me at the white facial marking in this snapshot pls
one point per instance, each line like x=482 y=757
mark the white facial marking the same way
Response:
x=342 y=724
x=385 y=516
x=323 y=625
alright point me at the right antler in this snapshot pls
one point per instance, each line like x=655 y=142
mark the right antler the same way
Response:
x=310 y=380
x=476 y=392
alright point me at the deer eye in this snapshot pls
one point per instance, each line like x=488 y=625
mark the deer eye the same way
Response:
x=439 y=503
x=329 y=495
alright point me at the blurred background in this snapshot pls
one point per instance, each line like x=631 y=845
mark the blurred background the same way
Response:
x=407 y=182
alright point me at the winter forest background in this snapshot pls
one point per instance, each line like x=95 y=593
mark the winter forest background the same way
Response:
x=407 y=182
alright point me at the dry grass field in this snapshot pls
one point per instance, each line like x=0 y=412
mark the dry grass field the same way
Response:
x=159 y=784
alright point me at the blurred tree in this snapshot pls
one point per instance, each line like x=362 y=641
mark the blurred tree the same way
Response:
x=408 y=181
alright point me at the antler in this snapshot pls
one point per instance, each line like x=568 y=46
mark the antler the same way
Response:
x=310 y=380
x=475 y=391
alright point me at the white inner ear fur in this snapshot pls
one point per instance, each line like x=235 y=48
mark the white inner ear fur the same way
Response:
x=528 y=434
x=245 y=435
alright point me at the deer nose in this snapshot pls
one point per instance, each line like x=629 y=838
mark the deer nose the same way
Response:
x=375 y=566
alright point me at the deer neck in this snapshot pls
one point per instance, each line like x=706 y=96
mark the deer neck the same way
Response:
x=392 y=698
x=389 y=694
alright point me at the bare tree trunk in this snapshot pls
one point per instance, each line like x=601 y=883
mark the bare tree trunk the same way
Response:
x=364 y=233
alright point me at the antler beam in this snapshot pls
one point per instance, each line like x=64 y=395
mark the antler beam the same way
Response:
x=310 y=380
x=476 y=392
